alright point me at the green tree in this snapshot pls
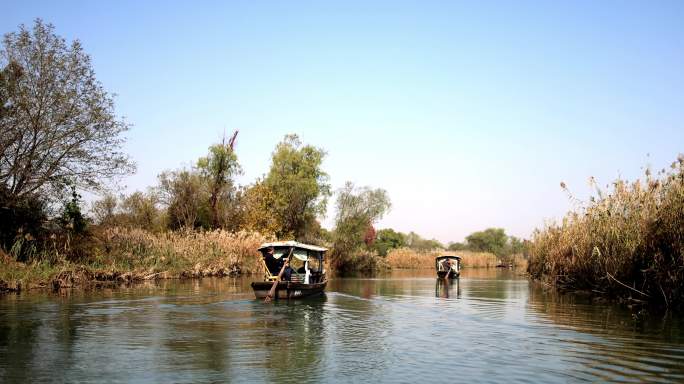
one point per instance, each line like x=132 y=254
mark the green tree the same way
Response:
x=184 y=194
x=258 y=208
x=140 y=210
x=387 y=239
x=456 y=246
x=57 y=122
x=219 y=167
x=297 y=189
x=415 y=241
x=103 y=211
x=72 y=218
x=357 y=210
x=492 y=240
x=515 y=246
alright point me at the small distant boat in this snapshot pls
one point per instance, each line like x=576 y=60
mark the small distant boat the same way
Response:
x=305 y=278
x=448 y=266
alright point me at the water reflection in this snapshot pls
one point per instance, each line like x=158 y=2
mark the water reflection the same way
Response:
x=446 y=288
x=491 y=325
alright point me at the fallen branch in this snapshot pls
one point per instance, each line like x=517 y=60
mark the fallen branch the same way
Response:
x=627 y=286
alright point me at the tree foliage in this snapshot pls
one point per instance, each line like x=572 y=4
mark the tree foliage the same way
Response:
x=218 y=168
x=204 y=196
x=490 y=240
x=357 y=210
x=72 y=217
x=415 y=241
x=387 y=239
x=103 y=211
x=140 y=210
x=257 y=204
x=185 y=196
x=57 y=121
x=296 y=190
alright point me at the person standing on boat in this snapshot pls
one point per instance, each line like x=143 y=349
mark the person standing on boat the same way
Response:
x=446 y=265
x=274 y=265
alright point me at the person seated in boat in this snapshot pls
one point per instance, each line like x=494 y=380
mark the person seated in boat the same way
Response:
x=275 y=265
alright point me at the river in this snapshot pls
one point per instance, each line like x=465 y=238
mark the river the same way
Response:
x=488 y=326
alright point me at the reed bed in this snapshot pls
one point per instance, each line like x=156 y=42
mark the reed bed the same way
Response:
x=405 y=258
x=519 y=261
x=125 y=254
x=179 y=252
x=626 y=244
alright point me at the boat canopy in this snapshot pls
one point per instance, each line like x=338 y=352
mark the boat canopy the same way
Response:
x=301 y=251
x=291 y=243
x=439 y=260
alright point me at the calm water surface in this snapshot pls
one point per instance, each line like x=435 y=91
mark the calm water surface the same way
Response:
x=491 y=326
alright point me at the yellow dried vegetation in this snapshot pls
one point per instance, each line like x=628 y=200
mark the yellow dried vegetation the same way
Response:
x=626 y=243
x=406 y=258
x=182 y=252
x=129 y=254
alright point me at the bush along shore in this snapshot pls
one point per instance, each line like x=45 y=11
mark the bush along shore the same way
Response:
x=124 y=255
x=626 y=244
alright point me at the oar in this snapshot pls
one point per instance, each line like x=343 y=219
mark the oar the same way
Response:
x=275 y=283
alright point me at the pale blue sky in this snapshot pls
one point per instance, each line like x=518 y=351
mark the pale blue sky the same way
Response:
x=468 y=113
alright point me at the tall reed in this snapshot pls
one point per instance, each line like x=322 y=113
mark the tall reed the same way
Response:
x=627 y=243
x=127 y=254
x=405 y=258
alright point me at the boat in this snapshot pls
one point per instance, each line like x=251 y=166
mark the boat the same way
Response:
x=448 y=266
x=306 y=276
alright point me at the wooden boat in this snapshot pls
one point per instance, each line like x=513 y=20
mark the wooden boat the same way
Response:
x=306 y=276
x=448 y=266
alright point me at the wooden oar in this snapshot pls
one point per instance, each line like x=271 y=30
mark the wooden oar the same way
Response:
x=277 y=280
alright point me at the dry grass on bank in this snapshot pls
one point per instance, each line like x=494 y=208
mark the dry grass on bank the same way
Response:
x=123 y=255
x=405 y=258
x=177 y=252
x=520 y=262
x=627 y=243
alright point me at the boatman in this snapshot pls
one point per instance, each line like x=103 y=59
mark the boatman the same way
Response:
x=446 y=265
x=275 y=265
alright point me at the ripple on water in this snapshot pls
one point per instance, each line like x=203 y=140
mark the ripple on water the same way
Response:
x=496 y=329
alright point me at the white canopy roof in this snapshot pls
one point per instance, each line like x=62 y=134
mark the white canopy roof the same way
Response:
x=295 y=244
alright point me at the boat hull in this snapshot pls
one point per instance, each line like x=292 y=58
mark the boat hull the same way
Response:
x=452 y=274
x=288 y=290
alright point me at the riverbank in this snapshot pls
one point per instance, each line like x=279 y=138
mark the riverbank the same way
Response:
x=117 y=255
x=122 y=255
x=626 y=244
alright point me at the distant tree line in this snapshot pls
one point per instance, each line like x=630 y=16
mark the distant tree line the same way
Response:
x=493 y=240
